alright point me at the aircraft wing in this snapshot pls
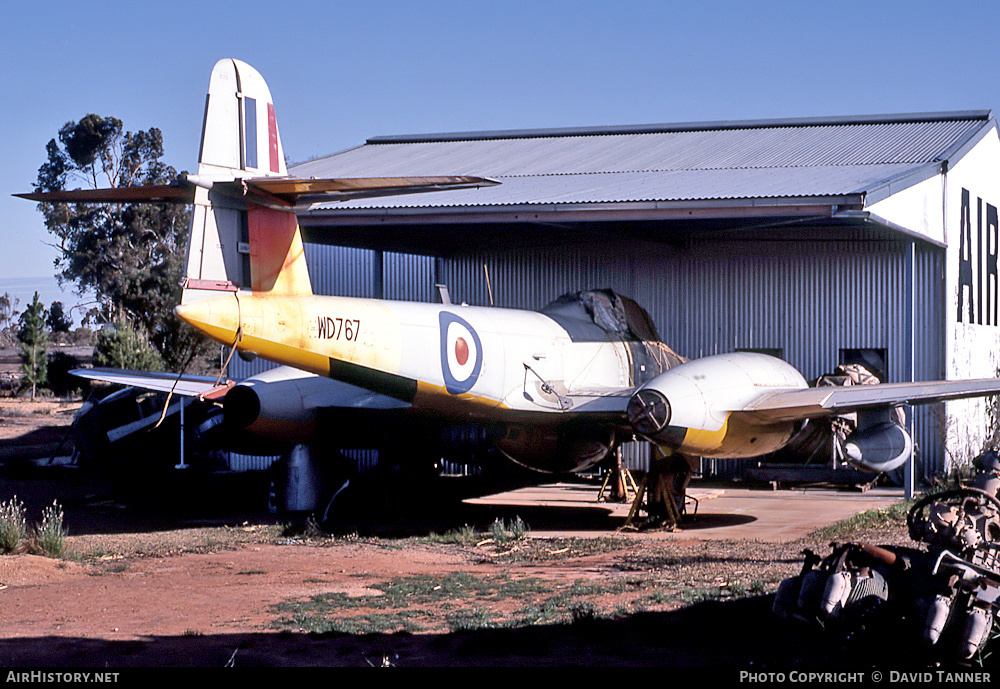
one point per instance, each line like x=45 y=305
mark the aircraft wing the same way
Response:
x=207 y=387
x=612 y=401
x=790 y=405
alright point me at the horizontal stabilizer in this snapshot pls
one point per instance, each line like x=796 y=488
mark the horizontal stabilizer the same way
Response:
x=281 y=191
x=189 y=386
x=297 y=191
x=173 y=193
x=824 y=401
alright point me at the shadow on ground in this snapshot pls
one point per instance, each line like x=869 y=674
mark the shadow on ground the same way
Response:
x=170 y=499
x=738 y=635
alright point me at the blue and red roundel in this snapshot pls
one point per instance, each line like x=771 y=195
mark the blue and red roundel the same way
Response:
x=461 y=353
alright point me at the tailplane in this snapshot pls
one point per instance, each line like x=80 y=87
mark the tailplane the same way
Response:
x=244 y=231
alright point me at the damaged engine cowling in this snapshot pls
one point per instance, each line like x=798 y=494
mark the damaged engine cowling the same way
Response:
x=951 y=591
x=871 y=440
x=134 y=422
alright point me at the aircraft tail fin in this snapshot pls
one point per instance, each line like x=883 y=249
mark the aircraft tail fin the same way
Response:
x=240 y=131
x=244 y=232
x=236 y=240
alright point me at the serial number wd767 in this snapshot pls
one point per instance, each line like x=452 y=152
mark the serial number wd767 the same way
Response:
x=338 y=328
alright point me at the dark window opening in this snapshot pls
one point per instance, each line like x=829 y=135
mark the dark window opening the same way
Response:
x=875 y=360
x=243 y=249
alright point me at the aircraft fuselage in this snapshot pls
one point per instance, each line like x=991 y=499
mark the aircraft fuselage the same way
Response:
x=444 y=357
x=518 y=370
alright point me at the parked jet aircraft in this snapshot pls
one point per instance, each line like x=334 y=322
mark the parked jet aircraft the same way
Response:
x=555 y=390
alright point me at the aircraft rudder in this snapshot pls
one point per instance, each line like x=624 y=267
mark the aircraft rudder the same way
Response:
x=277 y=256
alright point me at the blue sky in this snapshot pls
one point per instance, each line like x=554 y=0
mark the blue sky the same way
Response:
x=341 y=72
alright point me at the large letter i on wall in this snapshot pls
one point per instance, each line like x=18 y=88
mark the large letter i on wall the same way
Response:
x=965 y=260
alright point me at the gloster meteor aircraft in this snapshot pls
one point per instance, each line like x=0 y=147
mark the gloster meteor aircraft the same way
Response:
x=555 y=390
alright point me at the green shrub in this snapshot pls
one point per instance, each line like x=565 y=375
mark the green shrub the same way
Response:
x=503 y=532
x=123 y=345
x=13 y=528
x=49 y=536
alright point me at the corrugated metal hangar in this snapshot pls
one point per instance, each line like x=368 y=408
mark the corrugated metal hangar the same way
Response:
x=824 y=241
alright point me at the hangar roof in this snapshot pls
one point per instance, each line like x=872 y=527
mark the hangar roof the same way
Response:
x=705 y=170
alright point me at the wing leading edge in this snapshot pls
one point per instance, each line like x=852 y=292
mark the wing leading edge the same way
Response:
x=207 y=387
x=807 y=403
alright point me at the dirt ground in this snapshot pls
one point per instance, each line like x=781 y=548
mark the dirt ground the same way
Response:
x=24 y=422
x=198 y=575
x=182 y=586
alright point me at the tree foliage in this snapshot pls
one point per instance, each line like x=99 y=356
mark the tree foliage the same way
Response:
x=130 y=256
x=124 y=346
x=57 y=320
x=8 y=314
x=34 y=346
x=59 y=379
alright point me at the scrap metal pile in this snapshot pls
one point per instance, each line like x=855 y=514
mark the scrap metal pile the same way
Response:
x=945 y=592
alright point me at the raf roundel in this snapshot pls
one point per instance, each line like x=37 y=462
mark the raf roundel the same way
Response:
x=461 y=353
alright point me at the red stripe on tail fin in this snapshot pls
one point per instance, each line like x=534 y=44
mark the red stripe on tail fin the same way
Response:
x=272 y=138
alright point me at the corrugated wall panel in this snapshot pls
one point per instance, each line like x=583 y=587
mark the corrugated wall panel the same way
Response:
x=406 y=277
x=810 y=300
x=341 y=271
x=243 y=462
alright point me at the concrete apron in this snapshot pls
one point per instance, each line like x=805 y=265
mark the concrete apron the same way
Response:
x=722 y=513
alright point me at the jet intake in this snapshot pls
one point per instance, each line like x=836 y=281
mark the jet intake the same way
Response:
x=695 y=408
x=241 y=407
x=648 y=411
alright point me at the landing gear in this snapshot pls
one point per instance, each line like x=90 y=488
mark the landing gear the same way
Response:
x=618 y=482
x=306 y=486
x=665 y=491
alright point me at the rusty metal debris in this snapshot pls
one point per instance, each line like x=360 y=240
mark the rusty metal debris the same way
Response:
x=945 y=591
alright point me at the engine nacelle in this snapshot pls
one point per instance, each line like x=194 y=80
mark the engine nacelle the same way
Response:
x=878 y=446
x=269 y=408
x=283 y=403
x=691 y=407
